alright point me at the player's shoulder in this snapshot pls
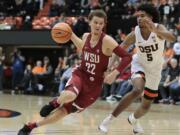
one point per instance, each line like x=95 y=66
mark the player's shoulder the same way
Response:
x=107 y=38
x=85 y=35
x=132 y=33
x=160 y=26
x=136 y=28
x=109 y=42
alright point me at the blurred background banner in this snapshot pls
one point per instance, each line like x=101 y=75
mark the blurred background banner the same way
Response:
x=41 y=37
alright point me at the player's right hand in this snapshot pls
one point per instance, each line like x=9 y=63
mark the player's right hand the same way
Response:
x=149 y=24
x=110 y=78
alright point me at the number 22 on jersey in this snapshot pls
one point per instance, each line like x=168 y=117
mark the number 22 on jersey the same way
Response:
x=90 y=68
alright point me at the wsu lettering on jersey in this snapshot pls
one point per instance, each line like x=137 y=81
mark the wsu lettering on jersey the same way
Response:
x=148 y=50
x=91 y=57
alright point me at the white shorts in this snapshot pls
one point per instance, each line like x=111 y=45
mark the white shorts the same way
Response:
x=152 y=75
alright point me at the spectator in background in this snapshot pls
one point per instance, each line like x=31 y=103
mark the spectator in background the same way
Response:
x=176 y=12
x=81 y=26
x=43 y=78
x=177 y=28
x=61 y=2
x=37 y=72
x=18 y=68
x=38 y=69
x=62 y=5
x=109 y=90
x=7 y=76
x=31 y=7
x=67 y=74
x=61 y=67
x=48 y=69
x=58 y=70
x=175 y=90
x=41 y=4
x=94 y=4
x=61 y=18
x=47 y=74
x=155 y=3
x=173 y=75
x=120 y=36
x=26 y=83
x=176 y=49
x=120 y=87
x=56 y=9
x=165 y=11
x=18 y=6
x=125 y=86
x=164 y=93
x=2 y=57
x=27 y=25
x=168 y=52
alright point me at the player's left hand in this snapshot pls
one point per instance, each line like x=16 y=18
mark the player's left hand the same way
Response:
x=110 y=78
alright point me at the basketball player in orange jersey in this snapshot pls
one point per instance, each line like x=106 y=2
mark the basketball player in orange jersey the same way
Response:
x=85 y=84
x=149 y=38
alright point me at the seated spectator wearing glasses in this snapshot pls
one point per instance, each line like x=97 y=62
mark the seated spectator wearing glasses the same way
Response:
x=173 y=76
x=164 y=93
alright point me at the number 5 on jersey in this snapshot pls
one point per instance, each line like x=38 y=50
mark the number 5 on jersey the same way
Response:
x=149 y=57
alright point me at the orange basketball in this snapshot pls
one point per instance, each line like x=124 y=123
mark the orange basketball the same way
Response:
x=61 y=32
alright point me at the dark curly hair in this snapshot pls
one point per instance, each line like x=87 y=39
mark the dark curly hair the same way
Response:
x=151 y=10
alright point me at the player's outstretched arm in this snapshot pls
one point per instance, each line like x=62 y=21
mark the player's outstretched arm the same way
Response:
x=160 y=30
x=77 y=41
x=163 y=33
x=129 y=40
x=112 y=46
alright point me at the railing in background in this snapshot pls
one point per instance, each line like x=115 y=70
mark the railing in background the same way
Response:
x=40 y=37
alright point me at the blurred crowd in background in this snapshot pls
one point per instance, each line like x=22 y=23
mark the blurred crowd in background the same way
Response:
x=41 y=76
x=42 y=14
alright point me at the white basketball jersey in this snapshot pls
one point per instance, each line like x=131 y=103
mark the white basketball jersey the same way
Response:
x=150 y=51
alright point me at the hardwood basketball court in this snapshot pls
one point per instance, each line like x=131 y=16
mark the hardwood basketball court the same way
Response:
x=161 y=120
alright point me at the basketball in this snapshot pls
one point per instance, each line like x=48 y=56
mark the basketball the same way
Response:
x=61 y=32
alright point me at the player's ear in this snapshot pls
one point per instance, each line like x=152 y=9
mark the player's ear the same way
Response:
x=90 y=22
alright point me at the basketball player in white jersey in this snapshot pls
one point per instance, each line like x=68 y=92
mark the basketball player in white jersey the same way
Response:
x=149 y=38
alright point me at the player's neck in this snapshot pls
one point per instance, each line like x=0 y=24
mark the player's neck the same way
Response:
x=95 y=37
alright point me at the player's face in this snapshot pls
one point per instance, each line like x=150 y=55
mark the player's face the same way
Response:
x=97 y=24
x=140 y=16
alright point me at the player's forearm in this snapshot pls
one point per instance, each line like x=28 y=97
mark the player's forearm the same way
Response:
x=125 y=58
x=166 y=35
x=112 y=61
x=77 y=41
x=124 y=63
